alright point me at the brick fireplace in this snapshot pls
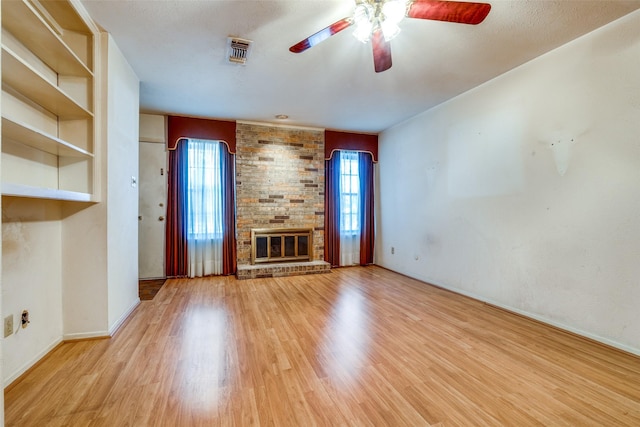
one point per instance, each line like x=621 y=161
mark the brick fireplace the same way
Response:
x=279 y=185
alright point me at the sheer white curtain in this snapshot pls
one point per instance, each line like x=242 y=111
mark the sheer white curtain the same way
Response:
x=349 y=208
x=204 y=208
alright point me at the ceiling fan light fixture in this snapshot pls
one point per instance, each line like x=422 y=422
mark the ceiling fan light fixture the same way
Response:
x=363 y=18
x=363 y=32
x=378 y=21
x=369 y=15
x=394 y=11
x=389 y=29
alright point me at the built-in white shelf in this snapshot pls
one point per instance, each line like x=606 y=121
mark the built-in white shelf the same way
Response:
x=19 y=190
x=48 y=58
x=25 y=23
x=19 y=75
x=27 y=135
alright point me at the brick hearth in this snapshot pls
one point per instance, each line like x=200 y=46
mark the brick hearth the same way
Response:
x=282 y=269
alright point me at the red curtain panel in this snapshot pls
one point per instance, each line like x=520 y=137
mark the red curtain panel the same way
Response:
x=367 y=224
x=176 y=227
x=229 y=258
x=332 y=211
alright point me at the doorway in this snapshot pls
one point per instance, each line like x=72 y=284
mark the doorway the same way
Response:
x=152 y=210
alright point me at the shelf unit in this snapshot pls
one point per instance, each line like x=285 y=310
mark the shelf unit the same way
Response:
x=48 y=99
x=40 y=140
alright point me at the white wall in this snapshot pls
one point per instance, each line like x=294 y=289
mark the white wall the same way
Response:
x=84 y=271
x=102 y=287
x=31 y=278
x=84 y=243
x=153 y=128
x=100 y=249
x=525 y=192
x=122 y=196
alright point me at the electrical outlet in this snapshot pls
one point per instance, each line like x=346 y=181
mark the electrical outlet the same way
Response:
x=393 y=250
x=8 y=325
x=25 y=318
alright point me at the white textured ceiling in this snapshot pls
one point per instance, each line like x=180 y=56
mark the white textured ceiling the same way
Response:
x=177 y=49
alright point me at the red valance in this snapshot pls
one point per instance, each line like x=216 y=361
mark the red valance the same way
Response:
x=334 y=140
x=188 y=127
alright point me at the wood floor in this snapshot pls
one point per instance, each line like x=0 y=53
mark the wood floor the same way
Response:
x=359 y=346
x=148 y=288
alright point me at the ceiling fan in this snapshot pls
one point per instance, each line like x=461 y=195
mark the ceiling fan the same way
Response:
x=377 y=20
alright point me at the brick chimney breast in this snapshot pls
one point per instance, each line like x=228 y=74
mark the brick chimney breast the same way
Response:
x=279 y=182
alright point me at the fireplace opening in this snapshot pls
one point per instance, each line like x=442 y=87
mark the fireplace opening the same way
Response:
x=281 y=244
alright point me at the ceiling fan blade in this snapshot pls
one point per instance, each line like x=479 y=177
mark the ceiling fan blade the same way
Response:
x=381 y=51
x=321 y=35
x=449 y=11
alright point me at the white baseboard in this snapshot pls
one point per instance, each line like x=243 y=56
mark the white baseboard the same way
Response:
x=70 y=337
x=104 y=334
x=114 y=328
x=529 y=315
x=28 y=364
x=86 y=335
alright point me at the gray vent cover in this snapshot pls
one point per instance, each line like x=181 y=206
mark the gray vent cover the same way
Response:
x=238 y=50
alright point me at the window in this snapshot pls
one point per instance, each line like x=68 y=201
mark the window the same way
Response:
x=349 y=223
x=204 y=190
x=349 y=193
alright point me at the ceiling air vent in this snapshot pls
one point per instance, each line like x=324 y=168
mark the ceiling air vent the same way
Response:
x=238 y=50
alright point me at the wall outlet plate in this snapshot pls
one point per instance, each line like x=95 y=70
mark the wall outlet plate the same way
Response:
x=8 y=325
x=25 y=319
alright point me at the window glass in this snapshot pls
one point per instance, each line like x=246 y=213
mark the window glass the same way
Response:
x=204 y=190
x=349 y=193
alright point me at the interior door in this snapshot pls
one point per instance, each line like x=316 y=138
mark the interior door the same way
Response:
x=152 y=210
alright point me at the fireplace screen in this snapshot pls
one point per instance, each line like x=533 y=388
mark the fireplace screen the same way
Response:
x=281 y=244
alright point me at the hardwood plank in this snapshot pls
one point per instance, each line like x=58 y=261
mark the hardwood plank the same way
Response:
x=356 y=347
